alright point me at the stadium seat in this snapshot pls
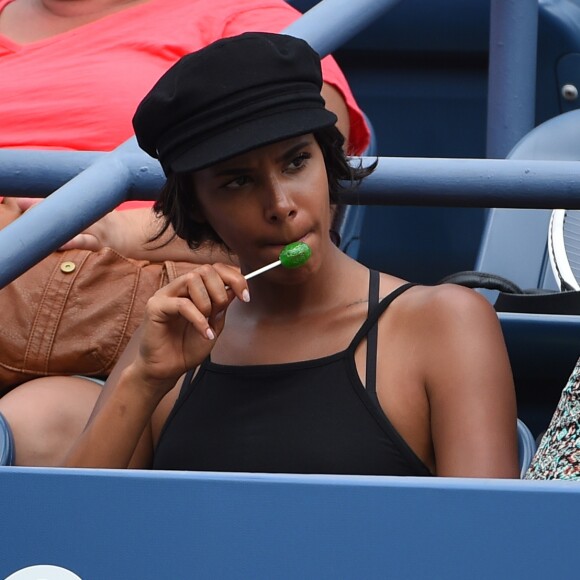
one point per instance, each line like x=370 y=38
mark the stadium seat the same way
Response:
x=515 y=242
x=6 y=443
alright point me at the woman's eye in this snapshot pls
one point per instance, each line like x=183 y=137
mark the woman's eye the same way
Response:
x=237 y=182
x=300 y=161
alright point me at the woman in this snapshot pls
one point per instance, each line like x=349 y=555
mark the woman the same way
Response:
x=296 y=370
x=61 y=92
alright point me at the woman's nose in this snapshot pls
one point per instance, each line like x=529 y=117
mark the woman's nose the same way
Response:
x=280 y=204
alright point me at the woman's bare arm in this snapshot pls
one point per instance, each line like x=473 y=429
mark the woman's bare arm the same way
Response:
x=470 y=387
x=118 y=433
x=182 y=321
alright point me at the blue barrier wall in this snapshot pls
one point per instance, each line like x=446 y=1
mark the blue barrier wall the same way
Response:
x=149 y=526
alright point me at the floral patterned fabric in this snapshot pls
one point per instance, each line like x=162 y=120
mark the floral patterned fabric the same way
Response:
x=558 y=455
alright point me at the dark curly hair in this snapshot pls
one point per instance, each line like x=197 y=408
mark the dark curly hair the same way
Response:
x=177 y=203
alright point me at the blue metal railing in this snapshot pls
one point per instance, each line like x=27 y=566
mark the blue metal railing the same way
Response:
x=396 y=181
x=512 y=74
x=37 y=173
x=342 y=19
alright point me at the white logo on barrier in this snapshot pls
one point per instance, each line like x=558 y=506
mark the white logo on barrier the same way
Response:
x=43 y=572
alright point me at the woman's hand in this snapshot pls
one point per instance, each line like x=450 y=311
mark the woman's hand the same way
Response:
x=182 y=322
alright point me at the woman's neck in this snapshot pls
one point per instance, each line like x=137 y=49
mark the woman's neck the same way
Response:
x=335 y=282
x=284 y=323
x=26 y=21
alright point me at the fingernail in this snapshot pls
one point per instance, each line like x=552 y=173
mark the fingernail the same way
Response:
x=209 y=333
x=245 y=295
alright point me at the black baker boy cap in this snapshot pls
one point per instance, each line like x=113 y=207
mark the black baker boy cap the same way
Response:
x=230 y=97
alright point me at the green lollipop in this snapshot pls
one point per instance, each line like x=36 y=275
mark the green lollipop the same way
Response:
x=292 y=256
x=295 y=255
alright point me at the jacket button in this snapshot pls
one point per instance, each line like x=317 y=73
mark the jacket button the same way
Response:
x=68 y=267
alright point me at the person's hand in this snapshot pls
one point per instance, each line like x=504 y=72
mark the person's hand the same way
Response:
x=9 y=211
x=25 y=203
x=108 y=232
x=182 y=322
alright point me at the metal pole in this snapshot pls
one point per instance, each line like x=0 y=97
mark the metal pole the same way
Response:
x=396 y=181
x=512 y=74
x=37 y=173
x=331 y=23
x=74 y=207
x=471 y=183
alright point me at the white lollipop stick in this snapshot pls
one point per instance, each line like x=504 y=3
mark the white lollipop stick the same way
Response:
x=262 y=269
x=292 y=256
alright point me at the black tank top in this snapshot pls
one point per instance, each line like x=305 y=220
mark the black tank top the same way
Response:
x=313 y=416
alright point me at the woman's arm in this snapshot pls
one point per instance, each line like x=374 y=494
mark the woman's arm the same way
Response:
x=181 y=324
x=469 y=387
x=118 y=433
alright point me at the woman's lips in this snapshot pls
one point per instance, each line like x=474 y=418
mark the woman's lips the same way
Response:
x=283 y=244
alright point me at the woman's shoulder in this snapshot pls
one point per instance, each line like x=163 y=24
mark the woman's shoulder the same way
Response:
x=438 y=306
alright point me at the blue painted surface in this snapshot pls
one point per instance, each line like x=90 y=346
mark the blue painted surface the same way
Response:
x=558 y=37
x=142 y=525
x=343 y=17
x=543 y=350
x=514 y=243
x=423 y=25
x=6 y=442
x=512 y=74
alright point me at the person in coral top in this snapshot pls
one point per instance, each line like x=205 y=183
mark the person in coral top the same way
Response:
x=73 y=72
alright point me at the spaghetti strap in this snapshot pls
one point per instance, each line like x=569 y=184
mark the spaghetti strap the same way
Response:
x=370 y=328
x=372 y=336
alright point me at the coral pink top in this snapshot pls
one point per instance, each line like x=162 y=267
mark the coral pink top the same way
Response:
x=78 y=90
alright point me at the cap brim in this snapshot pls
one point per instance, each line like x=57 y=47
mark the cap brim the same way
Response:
x=244 y=137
